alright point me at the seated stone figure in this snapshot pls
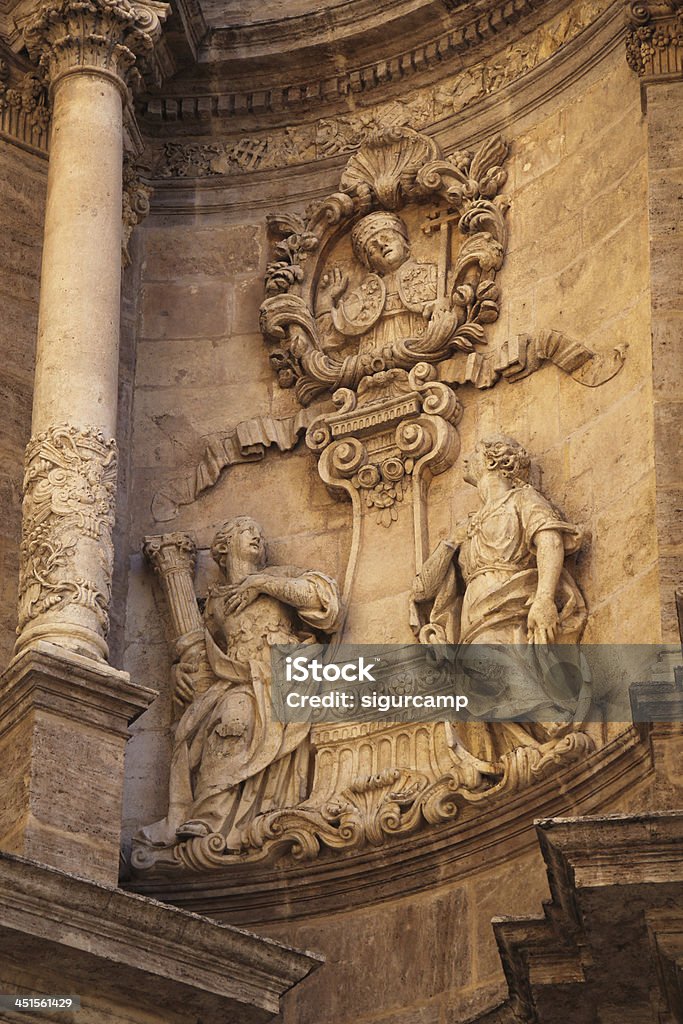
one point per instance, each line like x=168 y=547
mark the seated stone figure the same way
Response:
x=231 y=759
x=502 y=581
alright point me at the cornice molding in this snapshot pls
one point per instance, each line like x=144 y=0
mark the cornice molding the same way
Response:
x=53 y=914
x=609 y=877
x=464 y=34
x=592 y=24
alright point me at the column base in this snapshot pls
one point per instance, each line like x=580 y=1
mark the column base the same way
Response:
x=68 y=636
x=63 y=729
x=131 y=959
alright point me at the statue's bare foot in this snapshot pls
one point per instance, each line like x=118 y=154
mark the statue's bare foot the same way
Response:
x=193 y=830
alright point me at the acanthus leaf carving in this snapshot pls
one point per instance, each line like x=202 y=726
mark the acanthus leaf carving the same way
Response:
x=24 y=107
x=117 y=36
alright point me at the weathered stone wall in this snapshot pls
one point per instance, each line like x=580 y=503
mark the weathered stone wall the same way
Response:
x=23 y=181
x=578 y=262
x=665 y=180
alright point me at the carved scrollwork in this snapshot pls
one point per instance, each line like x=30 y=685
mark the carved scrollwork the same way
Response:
x=369 y=812
x=136 y=198
x=69 y=497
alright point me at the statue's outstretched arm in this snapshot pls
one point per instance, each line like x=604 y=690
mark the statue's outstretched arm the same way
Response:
x=542 y=621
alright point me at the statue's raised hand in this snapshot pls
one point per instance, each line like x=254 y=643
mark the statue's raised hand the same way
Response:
x=332 y=286
x=241 y=595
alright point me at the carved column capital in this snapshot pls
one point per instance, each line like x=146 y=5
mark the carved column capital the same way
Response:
x=114 y=37
x=654 y=39
x=171 y=553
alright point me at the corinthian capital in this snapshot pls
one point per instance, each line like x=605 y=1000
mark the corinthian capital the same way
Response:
x=114 y=36
x=171 y=553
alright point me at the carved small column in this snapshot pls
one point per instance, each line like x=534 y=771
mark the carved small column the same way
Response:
x=173 y=556
x=88 y=53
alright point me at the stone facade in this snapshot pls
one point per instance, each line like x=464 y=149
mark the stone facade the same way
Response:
x=463 y=221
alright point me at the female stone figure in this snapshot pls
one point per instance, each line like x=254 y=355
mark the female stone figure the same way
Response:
x=502 y=580
x=231 y=759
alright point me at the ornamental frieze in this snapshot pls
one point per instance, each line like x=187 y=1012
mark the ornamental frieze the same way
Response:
x=338 y=134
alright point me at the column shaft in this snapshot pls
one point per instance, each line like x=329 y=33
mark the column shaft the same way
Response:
x=78 y=328
x=70 y=480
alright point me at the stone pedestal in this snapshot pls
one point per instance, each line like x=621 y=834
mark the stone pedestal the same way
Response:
x=63 y=730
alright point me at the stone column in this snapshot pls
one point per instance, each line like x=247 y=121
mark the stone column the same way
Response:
x=654 y=47
x=64 y=712
x=88 y=52
x=173 y=556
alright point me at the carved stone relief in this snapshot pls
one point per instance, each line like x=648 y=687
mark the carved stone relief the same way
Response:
x=381 y=306
x=69 y=500
x=232 y=760
x=381 y=295
x=375 y=780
